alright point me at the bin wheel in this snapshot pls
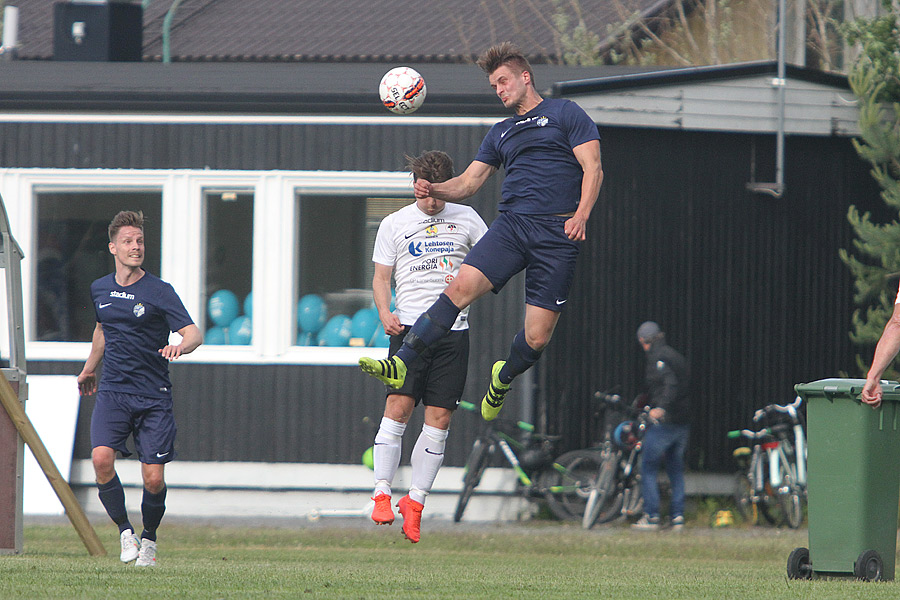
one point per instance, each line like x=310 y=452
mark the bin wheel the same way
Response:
x=868 y=566
x=799 y=565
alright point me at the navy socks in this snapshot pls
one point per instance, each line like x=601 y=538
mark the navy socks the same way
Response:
x=428 y=329
x=521 y=358
x=112 y=496
x=152 y=508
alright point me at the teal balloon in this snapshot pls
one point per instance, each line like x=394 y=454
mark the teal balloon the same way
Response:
x=240 y=332
x=223 y=308
x=248 y=305
x=307 y=338
x=311 y=313
x=380 y=339
x=336 y=331
x=215 y=336
x=364 y=323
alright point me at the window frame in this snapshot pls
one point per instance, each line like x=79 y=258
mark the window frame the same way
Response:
x=275 y=240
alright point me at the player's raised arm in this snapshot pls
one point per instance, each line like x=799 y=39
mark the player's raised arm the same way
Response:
x=458 y=188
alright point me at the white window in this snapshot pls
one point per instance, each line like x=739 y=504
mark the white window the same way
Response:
x=272 y=236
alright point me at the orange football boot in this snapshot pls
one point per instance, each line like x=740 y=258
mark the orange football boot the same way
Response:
x=382 y=514
x=412 y=517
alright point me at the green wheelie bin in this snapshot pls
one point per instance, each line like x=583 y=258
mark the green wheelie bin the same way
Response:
x=853 y=481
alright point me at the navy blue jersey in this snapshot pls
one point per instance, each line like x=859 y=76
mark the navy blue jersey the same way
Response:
x=543 y=177
x=136 y=322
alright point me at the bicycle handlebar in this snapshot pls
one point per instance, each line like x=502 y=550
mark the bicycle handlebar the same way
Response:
x=788 y=409
x=520 y=424
x=750 y=434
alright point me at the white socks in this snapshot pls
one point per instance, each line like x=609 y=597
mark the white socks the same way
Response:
x=427 y=457
x=386 y=454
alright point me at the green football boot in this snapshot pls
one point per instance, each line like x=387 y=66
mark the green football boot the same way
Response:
x=493 y=400
x=391 y=371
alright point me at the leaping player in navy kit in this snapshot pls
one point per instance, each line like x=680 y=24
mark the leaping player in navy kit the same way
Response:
x=550 y=150
x=422 y=246
x=135 y=311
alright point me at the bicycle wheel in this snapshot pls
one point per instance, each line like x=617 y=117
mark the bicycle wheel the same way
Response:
x=789 y=495
x=791 y=507
x=567 y=483
x=743 y=498
x=602 y=493
x=475 y=465
x=782 y=505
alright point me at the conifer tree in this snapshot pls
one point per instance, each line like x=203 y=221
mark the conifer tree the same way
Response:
x=875 y=263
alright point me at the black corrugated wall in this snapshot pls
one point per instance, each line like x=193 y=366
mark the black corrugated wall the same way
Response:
x=749 y=287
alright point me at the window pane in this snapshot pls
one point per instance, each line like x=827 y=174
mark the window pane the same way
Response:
x=73 y=251
x=334 y=269
x=229 y=267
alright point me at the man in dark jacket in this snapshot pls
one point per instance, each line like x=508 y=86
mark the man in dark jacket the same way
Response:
x=668 y=380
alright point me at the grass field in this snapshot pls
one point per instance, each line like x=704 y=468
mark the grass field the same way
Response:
x=353 y=559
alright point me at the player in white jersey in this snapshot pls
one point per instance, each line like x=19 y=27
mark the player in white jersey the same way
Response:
x=422 y=245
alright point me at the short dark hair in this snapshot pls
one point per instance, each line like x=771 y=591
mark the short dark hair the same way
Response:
x=507 y=54
x=434 y=166
x=125 y=218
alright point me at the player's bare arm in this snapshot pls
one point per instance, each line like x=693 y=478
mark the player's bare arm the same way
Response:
x=381 y=292
x=191 y=338
x=458 y=188
x=87 y=379
x=588 y=156
x=885 y=352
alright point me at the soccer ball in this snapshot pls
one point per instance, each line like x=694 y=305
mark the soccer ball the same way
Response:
x=402 y=90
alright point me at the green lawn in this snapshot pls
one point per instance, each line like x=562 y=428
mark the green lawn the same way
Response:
x=353 y=559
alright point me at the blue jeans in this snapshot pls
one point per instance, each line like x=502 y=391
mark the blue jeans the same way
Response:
x=663 y=441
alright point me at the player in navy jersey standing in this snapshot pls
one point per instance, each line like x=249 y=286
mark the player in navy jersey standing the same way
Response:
x=550 y=150
x=135 y=311
x=422 y=246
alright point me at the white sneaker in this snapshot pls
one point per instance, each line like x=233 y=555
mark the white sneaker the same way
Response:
x=646 y=523
x=147 y=556
x=130 y=546
x=678 y=523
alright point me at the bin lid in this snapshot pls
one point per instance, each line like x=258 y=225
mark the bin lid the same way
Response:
x=846 y=388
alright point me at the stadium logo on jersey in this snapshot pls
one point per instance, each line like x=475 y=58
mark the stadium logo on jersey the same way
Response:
x=115 y=294
x=431 y=230
x=139 y=310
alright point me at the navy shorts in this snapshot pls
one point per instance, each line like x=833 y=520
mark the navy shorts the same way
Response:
x=438 y=376
x=151 y=421
x=536 y=243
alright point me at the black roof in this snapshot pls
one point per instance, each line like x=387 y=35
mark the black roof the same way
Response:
x=681 y=75
x=285 y=88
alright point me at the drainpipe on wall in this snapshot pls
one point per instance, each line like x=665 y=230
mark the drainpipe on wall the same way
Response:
x=777 y=189
x=9 y=43
x=166 y=31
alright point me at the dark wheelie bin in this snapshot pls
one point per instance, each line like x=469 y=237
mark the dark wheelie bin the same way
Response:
x=853 y=481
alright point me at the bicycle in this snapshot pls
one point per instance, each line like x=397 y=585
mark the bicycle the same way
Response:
x=563 y=483
x=617 y=487
x=775 y=485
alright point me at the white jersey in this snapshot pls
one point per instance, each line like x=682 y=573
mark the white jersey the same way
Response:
x=426 y=253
